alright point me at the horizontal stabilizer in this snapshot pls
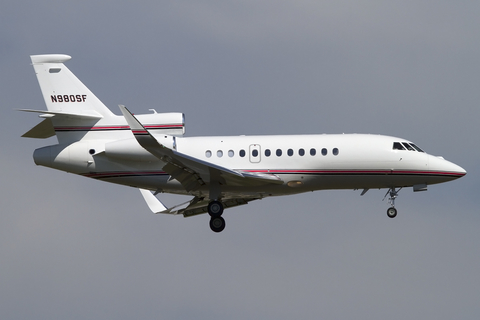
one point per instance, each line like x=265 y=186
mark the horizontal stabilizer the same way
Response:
x=48 y=114
x=43 y=130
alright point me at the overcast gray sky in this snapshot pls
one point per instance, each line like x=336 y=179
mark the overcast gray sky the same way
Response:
x=74 y=248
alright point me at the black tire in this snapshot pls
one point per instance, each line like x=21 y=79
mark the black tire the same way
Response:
x=392 y=212
x=215 y=209
x=217 y=224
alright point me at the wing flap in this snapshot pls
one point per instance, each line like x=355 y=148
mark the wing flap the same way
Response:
x=193 y=207
x=189 y=180
x=201 y=207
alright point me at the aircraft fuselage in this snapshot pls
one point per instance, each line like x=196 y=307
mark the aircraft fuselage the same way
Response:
x=150 y=152
x=303 y=162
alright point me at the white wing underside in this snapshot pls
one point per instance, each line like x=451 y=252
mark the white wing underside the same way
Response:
x=189 y=208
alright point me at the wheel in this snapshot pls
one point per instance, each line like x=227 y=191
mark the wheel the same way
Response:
x=392 y=212
x=215 y=209
x=217 y=224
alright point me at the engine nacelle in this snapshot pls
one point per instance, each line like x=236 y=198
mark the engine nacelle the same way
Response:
x=171 y=123
x=75 y=158
x=131 y=150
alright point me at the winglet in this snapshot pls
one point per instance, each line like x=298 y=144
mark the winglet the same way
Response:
x=156 y=206
x=145 y=138
x=135 y=125
x=153 y=203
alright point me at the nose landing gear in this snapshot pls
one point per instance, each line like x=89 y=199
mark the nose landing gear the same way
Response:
x=392 y=212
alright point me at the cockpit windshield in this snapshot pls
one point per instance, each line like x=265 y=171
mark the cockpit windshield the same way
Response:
x=398 y=146
x=409 y=147
x=406 y=146
x=416 y=148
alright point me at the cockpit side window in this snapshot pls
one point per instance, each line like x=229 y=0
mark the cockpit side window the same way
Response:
x=417 y=148
x=409 y=147
x=406 y=146
x=398 y=146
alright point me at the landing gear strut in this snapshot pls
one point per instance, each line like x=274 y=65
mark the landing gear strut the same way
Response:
x=392 y=212
x=215 y=210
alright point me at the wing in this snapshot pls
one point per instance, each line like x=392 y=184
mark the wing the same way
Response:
x=190 y=208
x=192 y=172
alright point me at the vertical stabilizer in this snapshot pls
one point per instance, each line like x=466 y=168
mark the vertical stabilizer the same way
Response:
x=62 y=90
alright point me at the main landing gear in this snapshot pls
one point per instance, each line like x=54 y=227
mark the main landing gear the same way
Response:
x=392 y=212
x=215 y=210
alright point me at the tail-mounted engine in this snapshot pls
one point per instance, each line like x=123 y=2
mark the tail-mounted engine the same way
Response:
x=172 y=123
x=165 y=127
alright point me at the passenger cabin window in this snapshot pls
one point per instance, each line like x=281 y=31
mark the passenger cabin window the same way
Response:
x=279 y=152
x=267 y=152
x=290 y=152
x=301 y=152
x=242 y=153
x=313 y=152
x=324 y=152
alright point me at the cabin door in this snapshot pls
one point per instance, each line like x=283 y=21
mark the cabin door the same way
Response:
x=255 y=153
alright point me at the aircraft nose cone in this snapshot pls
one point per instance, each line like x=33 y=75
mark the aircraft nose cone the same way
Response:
x=446 y=168
x=459 y=170
x=454 y=169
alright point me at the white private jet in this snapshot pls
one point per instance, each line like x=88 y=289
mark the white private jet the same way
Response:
x=149 y=152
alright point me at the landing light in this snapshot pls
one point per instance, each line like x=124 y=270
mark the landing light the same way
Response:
x=294 y=184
